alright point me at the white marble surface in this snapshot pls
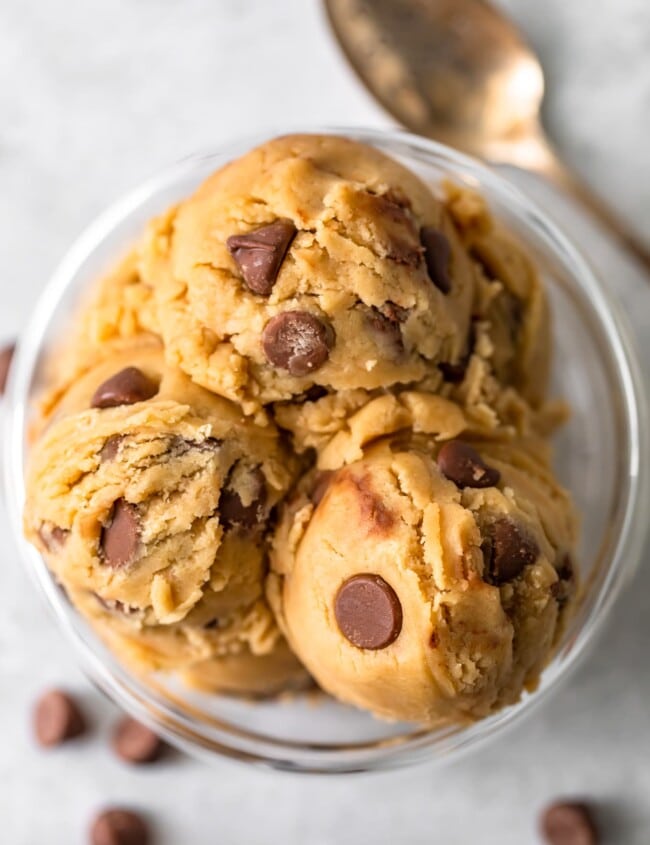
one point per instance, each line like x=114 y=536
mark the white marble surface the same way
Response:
x=95 y=96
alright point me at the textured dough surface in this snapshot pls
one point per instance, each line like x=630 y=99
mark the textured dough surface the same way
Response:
x=467 y=645
x=356 y=258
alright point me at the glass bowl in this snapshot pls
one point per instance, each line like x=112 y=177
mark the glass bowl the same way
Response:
x=599 y=454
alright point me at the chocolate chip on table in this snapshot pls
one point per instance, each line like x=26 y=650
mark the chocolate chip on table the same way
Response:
x=6 y=355
x=57 y=718
x=437 y=252
x=121 y=537
x=135 y=743
x=569 y=823
x=507 y=550
x=462 y=464
x=368 y=612
x=232 y=510
x=116 y=826
x=259 y=254
x=127 y=387
x=297 y=341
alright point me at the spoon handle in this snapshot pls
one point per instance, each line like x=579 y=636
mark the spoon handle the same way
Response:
x=558 y=173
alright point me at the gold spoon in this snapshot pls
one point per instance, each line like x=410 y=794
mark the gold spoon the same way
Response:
x=459 y=72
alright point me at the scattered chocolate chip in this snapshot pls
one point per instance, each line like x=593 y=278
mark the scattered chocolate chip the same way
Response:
x=297 y=341
x=259 y=254
x=462 y=464
x=387 y=326
x=120 y=538
x=437 y=252
x=116 y=826
x=321 y=483
x=368 y=612
x=569 y=823
x=507 y=550
x=6 y=355
x=57 y=718
x=111 y=447
x=127 y=387
x=136 y=743
x=232 y=510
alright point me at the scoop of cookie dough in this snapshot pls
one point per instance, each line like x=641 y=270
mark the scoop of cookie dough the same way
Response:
x=310 y=262
x=428 y=580
x=154 y=494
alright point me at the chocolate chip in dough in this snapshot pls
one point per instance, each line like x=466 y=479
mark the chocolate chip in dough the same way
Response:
x=6 y=355
x=259 y=254
x=135 y=743
x=116 y=826
x=437 y=252
x=297 y=341
x=507 y=550
x=111 y=447
x=121 y=537
x=127 y=387
x=569 y=823
x=462 y=464
x=232 y=510
x=368 y=612
x=57 y=718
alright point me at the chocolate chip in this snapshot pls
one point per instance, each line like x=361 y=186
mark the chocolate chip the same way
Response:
x=120 y=538
x=563 y=588
x=368 y=612
x=116 y=826
x=111 y=447
x=462 y=464
x=297 y=341
x=453 y=373
x=6 y=355
x=259 y=254
x=57 y=718
x=232 y=510
x=136 y=743
x=53 y=537
x=127 y=387
x=386 y=324
x=507 y=550
x=437 y=252
x=569 y=823
x=314 y=393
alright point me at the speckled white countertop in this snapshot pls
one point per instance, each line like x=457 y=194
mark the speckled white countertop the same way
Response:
x=95 y=96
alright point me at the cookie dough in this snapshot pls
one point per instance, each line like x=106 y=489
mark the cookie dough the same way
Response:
x=154 y=495
x=312 y=262
x=428 y=580
x=239 y=654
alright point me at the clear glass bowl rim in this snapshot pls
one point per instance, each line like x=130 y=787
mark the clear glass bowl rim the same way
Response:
x=224 y=741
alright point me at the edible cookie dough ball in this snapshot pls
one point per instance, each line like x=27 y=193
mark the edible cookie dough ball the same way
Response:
x=310 y=261
x=426 y=582
x=241 y=653
x=511 y=337
x=154 y=494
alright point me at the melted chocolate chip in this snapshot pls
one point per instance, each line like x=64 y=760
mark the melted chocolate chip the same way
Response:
x=57 y=718
x=437 y=252
x=297 y=341
x=232 y=510
x=259 y=254
x=116 y=826
x=368 y=612
x=127 y=387
x=121 y=537
x=569 y=823
x=507 y=550
x=462 y=464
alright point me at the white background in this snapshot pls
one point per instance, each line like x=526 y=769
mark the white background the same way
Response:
x=97 y=95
